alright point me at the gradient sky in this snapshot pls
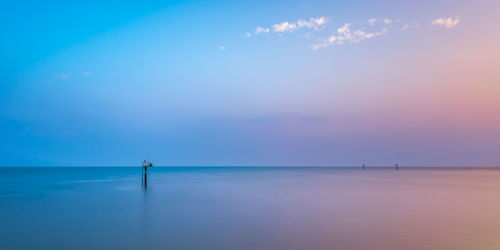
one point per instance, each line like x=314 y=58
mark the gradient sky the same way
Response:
x=250 y=83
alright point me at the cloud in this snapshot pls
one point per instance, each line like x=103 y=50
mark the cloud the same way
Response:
x=344 y=29
x=405 y=27
x=449 y=22
x=259 y=30
x=346 y=34
x=86 y=74
x=63 y=77
x=327 y=42
x=374 y=21
x=361 y=35
x=247 y=35
x=311 y=23
x=222 y=48
x=284 y=26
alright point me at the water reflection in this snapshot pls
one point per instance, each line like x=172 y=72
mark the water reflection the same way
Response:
x=250 y=208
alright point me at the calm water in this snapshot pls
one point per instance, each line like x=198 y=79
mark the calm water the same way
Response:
x=249 y=208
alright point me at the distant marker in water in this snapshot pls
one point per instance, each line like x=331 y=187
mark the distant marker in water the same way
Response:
x=363 y=166
x=397 y=166
x=145 y=165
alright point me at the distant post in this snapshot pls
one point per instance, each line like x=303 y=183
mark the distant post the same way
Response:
x=145 y=165
x=363 y=167
x=397 y=166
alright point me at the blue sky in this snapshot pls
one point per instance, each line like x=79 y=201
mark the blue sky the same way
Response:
x=249 y=83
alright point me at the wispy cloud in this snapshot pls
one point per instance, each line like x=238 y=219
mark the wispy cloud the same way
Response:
x=311 y=23
x=346 y=34
x=62 y=76
x=284 y=26
x=325 y=43
x=222 y=47
x=259 y=30
x=86 y=74
x=354 y=32
x=374 y=21
x=449 y=22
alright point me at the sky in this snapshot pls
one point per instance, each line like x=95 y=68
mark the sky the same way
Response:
x=250 y=83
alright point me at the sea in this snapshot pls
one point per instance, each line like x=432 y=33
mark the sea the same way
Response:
x=250 y=208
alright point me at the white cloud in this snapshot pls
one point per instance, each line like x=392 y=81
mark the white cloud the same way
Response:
x=374 y=21
x=361 y=35
x=320 y=20
x=345 y=34
x=449 y=22
x=327 y=42
x=63 y=77
x=311 y=23
x=344 y=29
x=222 y=48
x=86 y=74
x=303 y=23
x=284 y=26
x=248 y=34
x=259 y=30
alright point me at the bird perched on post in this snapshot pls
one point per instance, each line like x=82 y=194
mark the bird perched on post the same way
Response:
x=145 y=165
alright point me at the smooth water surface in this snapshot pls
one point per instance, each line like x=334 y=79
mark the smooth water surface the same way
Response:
x=249 y=208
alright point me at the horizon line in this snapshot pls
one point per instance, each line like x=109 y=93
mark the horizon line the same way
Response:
x=264 y=166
